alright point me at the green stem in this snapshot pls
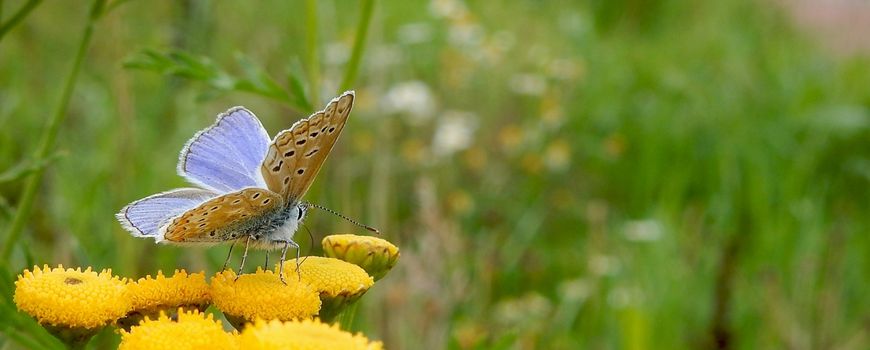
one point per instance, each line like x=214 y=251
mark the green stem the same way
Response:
x=359 y=42
x=46 y=143
x=18 y=16
x=311 y=49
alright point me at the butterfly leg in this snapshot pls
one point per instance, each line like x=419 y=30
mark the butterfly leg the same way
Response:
x=230 y=254
x=298 y=271
x=281 y=264
x=244 y=257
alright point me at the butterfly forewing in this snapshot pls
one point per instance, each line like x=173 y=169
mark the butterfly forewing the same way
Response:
x=295 y=156
x=223 y=218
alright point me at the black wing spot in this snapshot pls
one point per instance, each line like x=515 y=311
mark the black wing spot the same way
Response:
x=300 y=142
x=266 y=201
x=216 y=207
x=313 y=134
x=289 y=153
x=237 y=201
x=256 y=195
x=300 y=171
x=331 y=129
x=311 y=153
x=323 y=130
x=287 y=180
x=211 y=234
x=202 y=225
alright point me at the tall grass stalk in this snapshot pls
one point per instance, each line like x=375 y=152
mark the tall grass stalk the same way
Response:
x=312 y=54
x=359 y=43
x=17 y=17
x=49 y=136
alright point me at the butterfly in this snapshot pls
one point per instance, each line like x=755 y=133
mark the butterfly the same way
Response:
x=250 y=187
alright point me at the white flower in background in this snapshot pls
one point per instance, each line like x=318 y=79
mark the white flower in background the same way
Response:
x=643 y=230
x=336 y=53
x=454 y=132
x=383 y=57
x=621 y=297
x=603 y=265
x=564 y=69
x=465 y=34
x=412 y=98
x=448 y=8
x=415 y=33
x=528 y=84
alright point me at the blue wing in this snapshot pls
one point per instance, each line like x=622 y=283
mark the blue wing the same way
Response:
x=226 y=156
x=144 y=217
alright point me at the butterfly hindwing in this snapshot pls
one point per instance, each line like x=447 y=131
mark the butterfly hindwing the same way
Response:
x=295 y=156
x=224 y=218
x=227 y=155
x=144 y=217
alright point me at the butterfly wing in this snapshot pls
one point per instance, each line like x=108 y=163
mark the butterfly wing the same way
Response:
x=296 y=155
x=226 y=156
x=144 y=217
x=224 y=218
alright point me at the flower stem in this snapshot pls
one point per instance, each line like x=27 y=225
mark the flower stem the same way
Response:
x=18 y=16
x=359 y=42
x=313 y=58
x=47 y=140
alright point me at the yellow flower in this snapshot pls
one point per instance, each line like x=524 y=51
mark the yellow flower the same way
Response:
x=376 y=256
x=339 y=283
x=149 y=296
x=302 y=335
x=262 y=295
x=191 y=330
x=71 y=298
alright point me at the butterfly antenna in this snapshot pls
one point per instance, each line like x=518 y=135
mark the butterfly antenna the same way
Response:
x=352 y=221
x=310 y=246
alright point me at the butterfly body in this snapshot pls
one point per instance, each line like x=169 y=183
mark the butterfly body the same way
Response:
x=250 y=185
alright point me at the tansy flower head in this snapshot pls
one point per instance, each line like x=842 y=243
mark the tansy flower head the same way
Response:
x=150 y=296
x=71 y=298
x=190 y=330
x=376 y=256
x=262 y=295
x=71 y=304
x=302 y=335
x=339 y=283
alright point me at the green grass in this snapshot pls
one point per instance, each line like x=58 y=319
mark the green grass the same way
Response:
x=639 y=176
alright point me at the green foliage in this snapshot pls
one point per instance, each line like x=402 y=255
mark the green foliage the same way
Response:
x=587 y=175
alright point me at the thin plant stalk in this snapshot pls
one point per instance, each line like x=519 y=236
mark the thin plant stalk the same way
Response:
x=46 y=142
x=313 y=63
x=17 y=17
x=359 y=42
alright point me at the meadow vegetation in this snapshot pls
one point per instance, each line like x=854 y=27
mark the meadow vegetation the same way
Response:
x=590 y=174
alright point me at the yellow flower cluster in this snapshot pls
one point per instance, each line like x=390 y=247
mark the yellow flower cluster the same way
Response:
x=376 y=256
x=71 y=298
x=166 y=312
x=263 y=295
x=182 y=289
x=302 y=335
x=190 y=330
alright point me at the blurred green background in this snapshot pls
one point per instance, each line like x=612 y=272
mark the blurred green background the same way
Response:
x=557 y=174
